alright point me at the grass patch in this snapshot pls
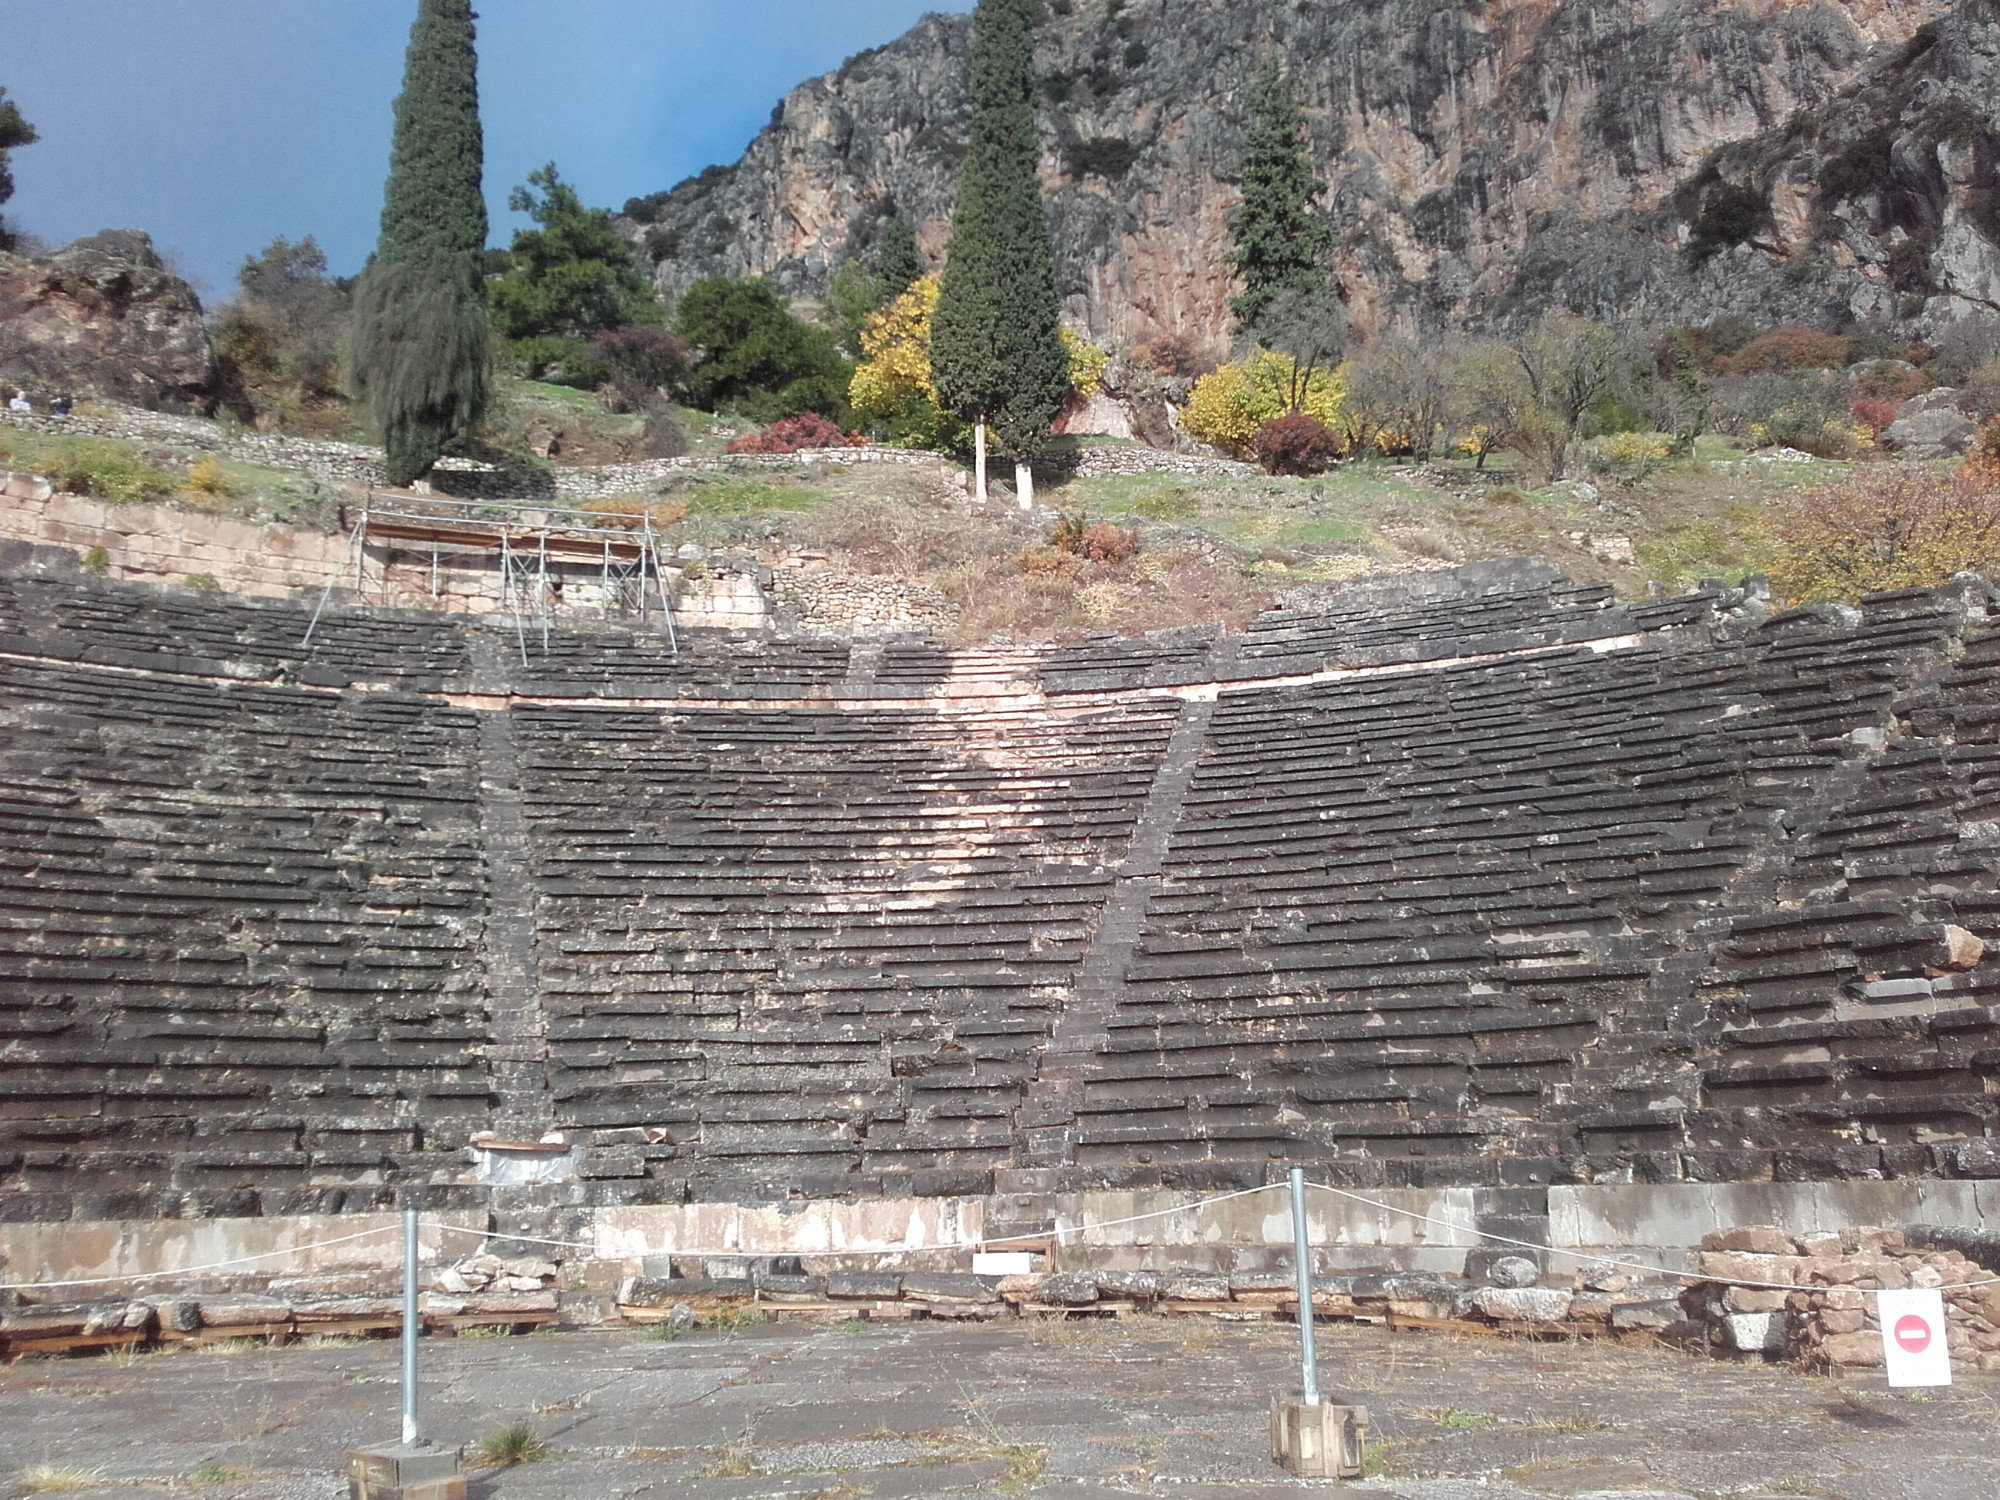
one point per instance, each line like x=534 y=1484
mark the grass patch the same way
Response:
x=516 y=1443
x=213 y=1473
x=102 y=468
x=727 y=495
x=57 y=1479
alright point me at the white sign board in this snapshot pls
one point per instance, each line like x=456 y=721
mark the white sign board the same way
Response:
x=1913 y=1339
x=1002 y=1263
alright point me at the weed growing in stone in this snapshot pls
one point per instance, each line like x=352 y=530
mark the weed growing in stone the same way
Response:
x=516 y=1443
x=55 y=1479
x=214 y=1473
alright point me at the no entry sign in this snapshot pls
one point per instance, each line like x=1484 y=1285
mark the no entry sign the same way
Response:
x=1913 y=1337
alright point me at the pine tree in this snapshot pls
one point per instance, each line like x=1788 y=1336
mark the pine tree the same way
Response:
x=997 y=354
x=1279 y=237
x=421 y=342
x=898 y=262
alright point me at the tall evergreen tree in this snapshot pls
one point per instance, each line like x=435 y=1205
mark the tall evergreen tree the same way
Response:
x=421 y=342
x=1279 y=236
x=898 y=262
x=997 y=354
x=14 y=131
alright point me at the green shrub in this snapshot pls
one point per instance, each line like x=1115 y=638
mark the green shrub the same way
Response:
x=107 y=470
x=755 y=359
x=97 y=562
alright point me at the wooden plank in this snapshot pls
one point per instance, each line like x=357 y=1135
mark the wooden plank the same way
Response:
x=1441 y=1325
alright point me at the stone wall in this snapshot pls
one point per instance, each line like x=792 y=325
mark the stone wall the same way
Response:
x=358 y=465
x=163 y=545
x=1807 y=1298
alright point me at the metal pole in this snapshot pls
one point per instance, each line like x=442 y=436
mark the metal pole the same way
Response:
x=1302 y=1252
x=409 y=1326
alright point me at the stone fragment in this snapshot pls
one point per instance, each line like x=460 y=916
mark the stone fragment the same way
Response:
x=1591 y=1307
x=1962 y=950
x=1755 y=1241
x=1835 y=1320
x=1195 y=1289
x=1745 y=1299
x=242 y=1312
x=1139 y=1286
x=1862 y=1350
x=1068 y=1289
x=1756 y=1332
x=1976 y=1159
x=1646 y=1317
x=1722 y=1265
x=1514 y=1271
x=860 y=1286
x=1523 y=1304
x=932 y=1286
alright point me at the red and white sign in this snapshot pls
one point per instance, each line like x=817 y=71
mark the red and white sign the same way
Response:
x=1913 y=1337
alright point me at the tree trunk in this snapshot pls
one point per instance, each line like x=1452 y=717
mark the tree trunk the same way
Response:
x=979 y=460
x=1024 y=485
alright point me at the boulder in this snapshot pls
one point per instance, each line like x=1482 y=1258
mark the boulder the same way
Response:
x=104 y=316
x=1944 y=432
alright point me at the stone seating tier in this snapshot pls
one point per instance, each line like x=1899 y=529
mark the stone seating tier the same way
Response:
x=1485 y=878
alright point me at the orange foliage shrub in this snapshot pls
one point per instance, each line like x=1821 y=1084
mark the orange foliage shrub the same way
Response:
x=796 y=434
x=1098 y=541
x=1872 y=413
x=1789 y=348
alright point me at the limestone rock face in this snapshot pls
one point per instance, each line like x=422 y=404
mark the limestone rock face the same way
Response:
x=1483 y=163
x=104 y=316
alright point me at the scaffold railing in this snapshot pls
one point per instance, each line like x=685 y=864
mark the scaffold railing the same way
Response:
x=525 y=541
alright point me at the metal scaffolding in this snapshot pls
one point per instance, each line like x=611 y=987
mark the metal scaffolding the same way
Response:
x=526 y=542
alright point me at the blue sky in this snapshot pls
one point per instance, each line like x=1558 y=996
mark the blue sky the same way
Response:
x=216 y=124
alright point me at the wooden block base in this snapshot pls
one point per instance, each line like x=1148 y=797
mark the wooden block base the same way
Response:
x=1317 y=1442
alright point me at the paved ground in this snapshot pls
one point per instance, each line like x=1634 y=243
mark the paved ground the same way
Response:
x=1062 y=1412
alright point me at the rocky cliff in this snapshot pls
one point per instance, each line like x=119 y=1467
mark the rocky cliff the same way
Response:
x=1483 y=160
x=104 y=316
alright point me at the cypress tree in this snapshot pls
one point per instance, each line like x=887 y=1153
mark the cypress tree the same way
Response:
x=420 y=345
x=897 y=259
x=997 y=354
x=15 y=131
x=1279 y=238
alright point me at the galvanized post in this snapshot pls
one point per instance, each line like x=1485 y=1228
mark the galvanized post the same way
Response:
x=1302 y=1252
x=409 y=1326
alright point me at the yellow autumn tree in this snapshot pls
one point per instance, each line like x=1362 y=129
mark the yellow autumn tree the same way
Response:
x=892 y=389
x=1087 y=362
x=1228 y=406
x=892 y=385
